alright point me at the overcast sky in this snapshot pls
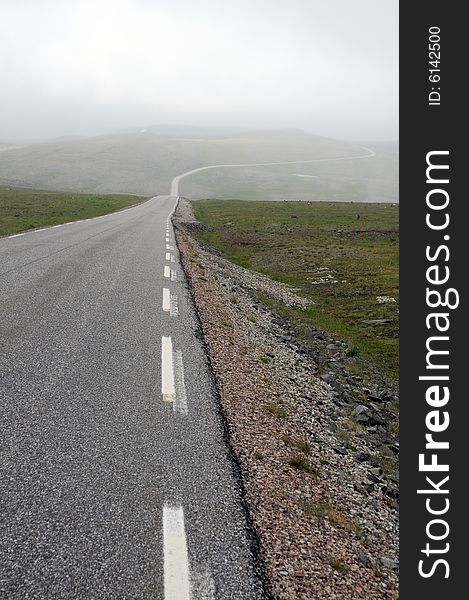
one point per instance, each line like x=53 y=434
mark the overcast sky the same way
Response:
x=97 y=66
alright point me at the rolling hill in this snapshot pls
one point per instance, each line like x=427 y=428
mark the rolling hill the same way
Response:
x=144 y=162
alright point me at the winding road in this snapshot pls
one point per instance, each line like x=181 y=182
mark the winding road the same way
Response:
x=176 y=181
x=116 y=478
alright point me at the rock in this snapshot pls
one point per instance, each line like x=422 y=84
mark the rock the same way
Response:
x=369 y=416
x=380 y=430
x=389 y=563
x=364 y=559
x=374 y=478
x=361 y=456
x=338 y=401
x=361 y=414
x=346 y=397
x=374 y=398
x=393 y=493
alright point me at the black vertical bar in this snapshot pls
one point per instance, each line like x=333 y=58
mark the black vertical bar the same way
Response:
x=424 y=128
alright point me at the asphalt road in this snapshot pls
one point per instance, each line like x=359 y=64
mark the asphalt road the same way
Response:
x=115 y=477
x=176 y=181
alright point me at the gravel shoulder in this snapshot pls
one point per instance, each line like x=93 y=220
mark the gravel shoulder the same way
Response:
x=313 y=461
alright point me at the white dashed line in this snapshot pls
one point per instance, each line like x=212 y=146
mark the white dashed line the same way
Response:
x=166 y=300
x=174 y=275
x=168 y=247
x=167 y=370
x=167 y=271
x=174 y=310
x=180 y=401
x=176 y=561
x=172 y=258
x=167 y=256
x=16 y=235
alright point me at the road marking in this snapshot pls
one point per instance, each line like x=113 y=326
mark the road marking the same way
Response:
x=167 y=256
x=166 y=300
x=172 y=258
x=167 y=271
x=180 y=401
x=168 y=247
x=176 y=561
x=84 y=220
x=174 y=275
x=174 y=310
x=167 y=370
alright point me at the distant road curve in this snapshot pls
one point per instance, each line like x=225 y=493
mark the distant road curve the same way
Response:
x=175 y=182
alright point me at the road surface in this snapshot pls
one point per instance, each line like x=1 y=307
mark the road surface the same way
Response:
x=176 y=181
x=116 y=480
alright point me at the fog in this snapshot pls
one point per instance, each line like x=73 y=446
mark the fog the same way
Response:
x=87 y=67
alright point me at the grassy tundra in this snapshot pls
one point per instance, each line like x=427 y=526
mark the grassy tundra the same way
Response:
x=23 y=208
x=342 y=256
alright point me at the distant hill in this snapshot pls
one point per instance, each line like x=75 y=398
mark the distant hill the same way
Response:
x=145 y=161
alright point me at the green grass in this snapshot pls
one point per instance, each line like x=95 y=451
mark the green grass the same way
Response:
x=275 y=409
x=338 y=565
x=339 y=262
x=23 y=208
x=324 y=509
x=300 y=463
